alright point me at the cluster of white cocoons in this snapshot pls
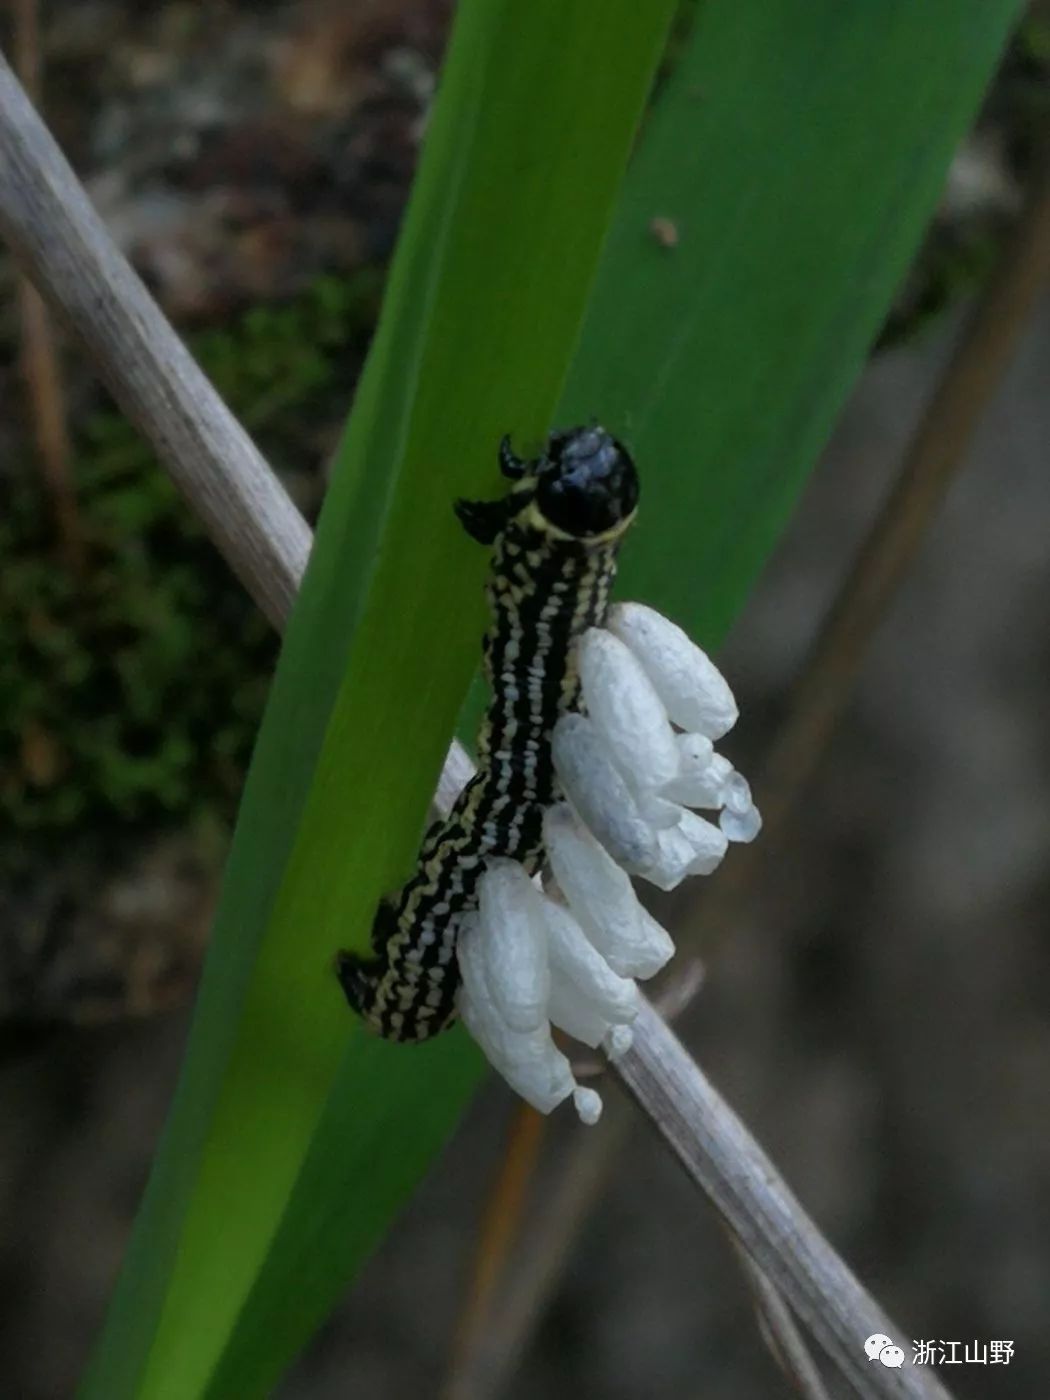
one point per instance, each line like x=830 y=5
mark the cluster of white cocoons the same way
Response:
x=633 y=768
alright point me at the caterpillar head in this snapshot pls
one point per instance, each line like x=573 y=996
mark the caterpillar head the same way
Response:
x=586 y=483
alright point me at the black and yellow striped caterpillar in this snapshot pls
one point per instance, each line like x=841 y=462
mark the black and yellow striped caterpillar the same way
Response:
x=556 y=536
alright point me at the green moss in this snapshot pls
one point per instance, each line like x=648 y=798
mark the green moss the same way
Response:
x=132 y=694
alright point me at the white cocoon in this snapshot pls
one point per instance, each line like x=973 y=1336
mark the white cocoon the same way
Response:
x=576 y=1016
x=618 y=1042
x=574 y=959
x=688 y=682
x=599 y=791
x=672 y=861
x=658 y=811
x=661 y=945
x=702 y=773
x=599 y=894
x=588 y=1105
x=741 y=820
x=626 y=709
x=737 y=793
x=529 y=1061
x=708 y=842
x=512 y=941
x=693 y=847
x=741 y=827
x=531 y=1064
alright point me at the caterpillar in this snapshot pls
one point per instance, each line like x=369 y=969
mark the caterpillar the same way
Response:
x=556 y=535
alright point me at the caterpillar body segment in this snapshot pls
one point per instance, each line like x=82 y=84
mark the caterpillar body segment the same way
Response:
x=555 y=539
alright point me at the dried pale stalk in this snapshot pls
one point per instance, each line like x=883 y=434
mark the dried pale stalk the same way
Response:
x=40 y=362
x=721 y=1157
x=499 y=1228
x=781 y=1332
x=63 y=246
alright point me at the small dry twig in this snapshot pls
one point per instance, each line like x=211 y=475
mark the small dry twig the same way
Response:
x=499 y=1229
x=40 y=363
x=721 y=1157
x=780 y=1331
x=552 y=1233
x=64 y=247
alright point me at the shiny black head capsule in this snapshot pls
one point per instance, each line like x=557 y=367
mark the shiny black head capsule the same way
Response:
x=586 y=483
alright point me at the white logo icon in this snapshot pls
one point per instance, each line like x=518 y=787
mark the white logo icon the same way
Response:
x=875 y=1344
x=891 y=1356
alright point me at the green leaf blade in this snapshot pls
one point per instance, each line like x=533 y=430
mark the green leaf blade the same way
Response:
x=474 y=340
x=819 y=135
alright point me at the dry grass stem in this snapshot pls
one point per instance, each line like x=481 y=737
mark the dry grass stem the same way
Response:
x=538 y=1258
x=40 y=362
x=63 y=246
x=721 y=1157
x=43 y=376
x=499 y=1229
x=780 y=1332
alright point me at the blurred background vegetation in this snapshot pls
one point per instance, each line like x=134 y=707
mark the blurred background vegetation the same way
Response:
x=137 y=687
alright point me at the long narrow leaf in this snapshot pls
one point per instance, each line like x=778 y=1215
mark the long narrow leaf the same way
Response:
x=535 y=117
x=797 y=153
